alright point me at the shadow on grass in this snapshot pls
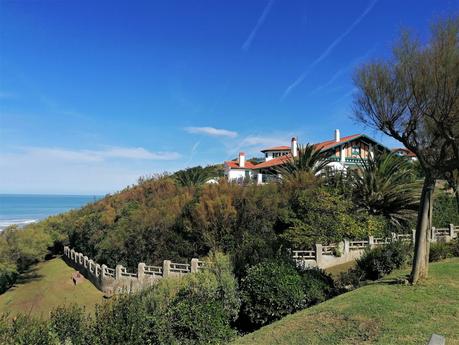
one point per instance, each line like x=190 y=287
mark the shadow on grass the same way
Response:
x=30 y=275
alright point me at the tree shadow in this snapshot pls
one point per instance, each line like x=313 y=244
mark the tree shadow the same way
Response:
x=28 y=276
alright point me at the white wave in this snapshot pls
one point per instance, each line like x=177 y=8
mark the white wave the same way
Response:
x=4 y=223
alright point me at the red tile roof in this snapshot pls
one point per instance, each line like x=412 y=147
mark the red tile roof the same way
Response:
x=235 y=165
x=273 y=162
x=325 y=145
x=277 y=148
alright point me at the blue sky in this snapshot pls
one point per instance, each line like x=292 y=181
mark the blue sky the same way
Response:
x=94 y=94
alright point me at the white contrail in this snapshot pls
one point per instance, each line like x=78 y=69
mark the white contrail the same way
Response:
x=329 y=49
x=264 y=14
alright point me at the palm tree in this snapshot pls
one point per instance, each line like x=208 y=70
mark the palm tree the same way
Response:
x=386 y=185
x=193 y=176
x=309 y=161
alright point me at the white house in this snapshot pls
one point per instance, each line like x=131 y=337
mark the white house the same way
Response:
x=344 y=153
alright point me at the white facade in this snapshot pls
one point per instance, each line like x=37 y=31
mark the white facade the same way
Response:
x=238 y=174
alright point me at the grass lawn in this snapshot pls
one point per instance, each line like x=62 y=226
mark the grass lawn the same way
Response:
x=46 y=286
x=380 y=313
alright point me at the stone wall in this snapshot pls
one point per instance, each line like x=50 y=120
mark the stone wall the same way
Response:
x=119 y=280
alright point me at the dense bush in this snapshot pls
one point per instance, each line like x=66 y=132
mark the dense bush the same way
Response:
x=8 y=275
x=318 y=285
x=376 y=263
x=319 y=215
x=439 y=251
x=271 y=290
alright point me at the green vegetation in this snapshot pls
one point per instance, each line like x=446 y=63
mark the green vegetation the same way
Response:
x=195 y=309
x=387 y=186
x=46 y=286
x=380 y=313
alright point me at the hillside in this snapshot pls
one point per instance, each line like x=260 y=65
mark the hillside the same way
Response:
x=46 y=286
x=376 y=314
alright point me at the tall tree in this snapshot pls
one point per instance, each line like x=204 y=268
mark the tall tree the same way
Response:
x=414 y=98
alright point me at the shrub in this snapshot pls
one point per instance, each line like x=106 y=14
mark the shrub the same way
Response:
x=440 y=251
x=455 y=247
x=318 y=285
x=271 y=290
x=69 y=323
x=377 y=262
x=25 y=330
x=8 y=276
x=349 y=280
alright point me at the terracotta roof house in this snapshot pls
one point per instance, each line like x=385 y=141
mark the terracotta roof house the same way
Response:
x=344 y=153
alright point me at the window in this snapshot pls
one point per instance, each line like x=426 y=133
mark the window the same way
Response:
x=356 y=150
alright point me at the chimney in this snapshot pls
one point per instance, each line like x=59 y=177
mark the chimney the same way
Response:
x=337 y=136
x=241 y=159
x=294 y=147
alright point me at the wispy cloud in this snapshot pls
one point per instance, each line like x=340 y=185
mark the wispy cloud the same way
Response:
x=329 y=50
x=214 y=132
x=87 y=156
x=192 y=152
x=260 y=21
x=343 y=70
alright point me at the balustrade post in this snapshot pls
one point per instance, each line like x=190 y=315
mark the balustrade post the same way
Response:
x=433 y=234
x=140 y=270
x=413 y=238
x=194 y=265
x=371 y=241
x=103 y=267
x=451 y=231
x=166 y=268
x=118 y=270
x=346 y=246
x=319 y=255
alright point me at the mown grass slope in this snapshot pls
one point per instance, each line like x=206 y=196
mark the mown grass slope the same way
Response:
x=48 y=285
x=380 y=313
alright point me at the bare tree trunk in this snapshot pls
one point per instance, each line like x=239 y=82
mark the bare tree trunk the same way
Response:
x=421 y=258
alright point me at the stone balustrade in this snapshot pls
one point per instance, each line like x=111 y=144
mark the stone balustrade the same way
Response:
x=119 y=280
x=349 y=250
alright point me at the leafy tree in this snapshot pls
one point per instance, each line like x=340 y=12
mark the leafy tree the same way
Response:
x=386 y=186
x=414 y=98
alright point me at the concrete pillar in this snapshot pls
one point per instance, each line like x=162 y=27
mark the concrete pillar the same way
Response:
x=140 y=270
x=166 y=268
x=194 y=265
x=342 y=156
x=371 y=241
x=103 y=267
x=451 y=231
x=85 y=261
x=259 y=178
x=433 y=235
x=413 y=238
x=97 y=270
x=118 y=270
x=72 y=254
x=319 y=255
x=346 y=246
x=90 y=264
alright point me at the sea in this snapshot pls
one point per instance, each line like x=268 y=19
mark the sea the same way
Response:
x=23 y=209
